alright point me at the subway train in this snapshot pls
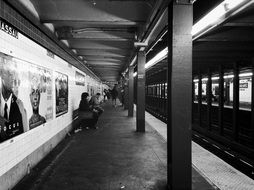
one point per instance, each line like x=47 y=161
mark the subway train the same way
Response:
x=223 y=142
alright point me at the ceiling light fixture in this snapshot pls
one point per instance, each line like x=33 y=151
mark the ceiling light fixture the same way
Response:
x=133 y=61
x=215 y=15
x=157 y=58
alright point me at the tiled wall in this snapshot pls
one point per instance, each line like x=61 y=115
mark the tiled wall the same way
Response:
x=18 y=153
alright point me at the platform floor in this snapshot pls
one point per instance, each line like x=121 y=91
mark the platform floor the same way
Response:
x=112 y=157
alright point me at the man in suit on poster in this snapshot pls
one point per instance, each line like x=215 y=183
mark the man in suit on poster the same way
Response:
x=13 y=119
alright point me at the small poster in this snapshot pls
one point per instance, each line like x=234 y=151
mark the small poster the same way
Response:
x=80 y=79
x=61 y=82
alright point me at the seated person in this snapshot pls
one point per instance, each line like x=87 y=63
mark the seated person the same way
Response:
x=95 y=103
x=86 y=112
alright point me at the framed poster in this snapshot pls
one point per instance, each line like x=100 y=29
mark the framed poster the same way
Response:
x=40 y=95
x=61 y=86
x=26 y=98
x=79 y=79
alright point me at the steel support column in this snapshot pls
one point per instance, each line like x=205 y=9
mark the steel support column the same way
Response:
x=126 y=92
x=221 y=100
x=236 y=101
x=179 y=94
x=140 y=113
x=209 y=99
x=200 y=99
x=252 y=103
x=130 y=91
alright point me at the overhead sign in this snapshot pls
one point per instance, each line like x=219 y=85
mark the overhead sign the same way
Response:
x=8 y=29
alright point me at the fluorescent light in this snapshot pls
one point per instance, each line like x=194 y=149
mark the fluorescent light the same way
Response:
x=215 y=78
x=213 y=16
x=225 y=77
x=228 y=77
x=231 y=4
x=135 y=74
x=245 y=74
x=157 y=58
x=133 y=60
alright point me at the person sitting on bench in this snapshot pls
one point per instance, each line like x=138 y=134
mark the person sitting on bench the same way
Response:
x=87 y=115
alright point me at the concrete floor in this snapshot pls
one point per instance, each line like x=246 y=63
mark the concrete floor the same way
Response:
x=110 y=158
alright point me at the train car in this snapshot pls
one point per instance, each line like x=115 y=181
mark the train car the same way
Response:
x=234 y=139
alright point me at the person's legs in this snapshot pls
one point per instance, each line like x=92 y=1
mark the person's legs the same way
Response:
x=100 y=110
x=95 y=119
x=115 y=102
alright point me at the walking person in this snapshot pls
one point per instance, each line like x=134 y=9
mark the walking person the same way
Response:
x=114 y=94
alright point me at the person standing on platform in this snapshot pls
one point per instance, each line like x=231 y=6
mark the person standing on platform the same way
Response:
x=114 y=94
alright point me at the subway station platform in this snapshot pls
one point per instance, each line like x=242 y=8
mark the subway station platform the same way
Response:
x=111 y=157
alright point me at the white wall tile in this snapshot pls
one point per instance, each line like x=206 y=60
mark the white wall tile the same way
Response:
x=15 y=150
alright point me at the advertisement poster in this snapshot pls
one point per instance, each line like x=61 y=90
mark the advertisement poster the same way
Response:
x=40 y=91
x=61 y=82
x=26 y=96
x=79 y=78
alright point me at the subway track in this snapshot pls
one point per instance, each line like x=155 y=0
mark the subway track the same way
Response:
x=242 y=163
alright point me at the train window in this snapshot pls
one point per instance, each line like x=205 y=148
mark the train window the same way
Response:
x=228 y=89
x=163 y=90
x=215 y=89
x=150 y=90
x=245 y=87
x=195 y=90
x=159 y=90
x=204 y=94
x=166 y=90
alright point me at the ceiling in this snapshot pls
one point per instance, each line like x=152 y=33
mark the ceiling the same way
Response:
x=228 y=43
x=101 y=32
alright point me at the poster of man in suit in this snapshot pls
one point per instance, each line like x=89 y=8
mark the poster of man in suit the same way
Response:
x=12 y=112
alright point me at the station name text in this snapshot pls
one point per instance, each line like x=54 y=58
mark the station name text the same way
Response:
x=8 y=29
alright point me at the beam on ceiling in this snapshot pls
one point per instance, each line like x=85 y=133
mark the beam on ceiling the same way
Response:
x=85 y=23
x=104 y=60
x=78 y=44
x=102 y=56
x=238 y=24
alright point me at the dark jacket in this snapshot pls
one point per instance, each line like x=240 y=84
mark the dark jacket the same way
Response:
x=15 y=125
x=84 y=105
